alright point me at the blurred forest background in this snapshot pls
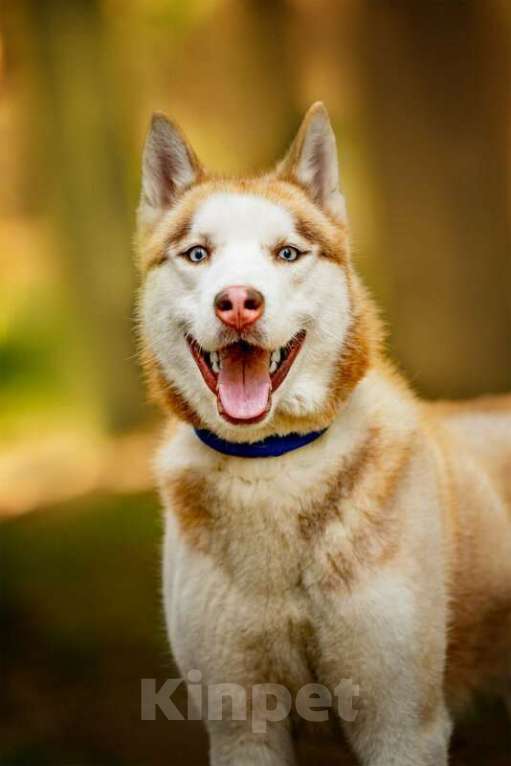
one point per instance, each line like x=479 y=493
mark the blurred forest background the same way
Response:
x=420 y=98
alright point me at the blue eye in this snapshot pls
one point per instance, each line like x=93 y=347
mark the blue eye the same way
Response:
x=196 y=254
x=288 y=253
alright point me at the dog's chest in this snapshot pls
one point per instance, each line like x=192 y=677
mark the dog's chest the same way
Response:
x=237 y=565
x=252 y=547
x=240 y=611
x=251 y=528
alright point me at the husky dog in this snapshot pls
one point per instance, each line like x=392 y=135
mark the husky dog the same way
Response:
x=322 y=523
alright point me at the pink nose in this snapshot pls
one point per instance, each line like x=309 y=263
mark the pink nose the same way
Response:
x=239 y=306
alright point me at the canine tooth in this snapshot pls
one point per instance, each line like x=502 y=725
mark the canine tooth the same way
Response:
x=215 y=362
x=273 y=367
x=275 y=356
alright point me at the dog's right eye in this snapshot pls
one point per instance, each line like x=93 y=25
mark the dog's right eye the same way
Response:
x=196 y=254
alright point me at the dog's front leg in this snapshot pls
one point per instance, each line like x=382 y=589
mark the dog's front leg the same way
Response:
x=234 y=743
x=399 y=718
x=230 y=686
x=248 y=723
x=389 y=650
x=399 y=739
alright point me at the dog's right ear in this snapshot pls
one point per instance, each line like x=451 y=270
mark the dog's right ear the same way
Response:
x=169 y=166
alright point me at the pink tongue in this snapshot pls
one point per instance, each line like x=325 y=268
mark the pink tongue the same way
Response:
x=244 y=384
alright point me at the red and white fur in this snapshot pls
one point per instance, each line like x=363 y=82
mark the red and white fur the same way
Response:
x=381 y=552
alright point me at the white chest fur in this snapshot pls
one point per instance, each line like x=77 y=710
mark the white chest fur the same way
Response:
x=240 y=567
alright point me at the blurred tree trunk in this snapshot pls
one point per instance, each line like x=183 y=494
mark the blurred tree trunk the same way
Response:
x=245 y=81
x=83 y=150
x=437 y=93
x=277 y=94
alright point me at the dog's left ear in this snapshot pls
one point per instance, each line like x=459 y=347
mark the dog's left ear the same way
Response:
x=312 y=161
x=169 y=166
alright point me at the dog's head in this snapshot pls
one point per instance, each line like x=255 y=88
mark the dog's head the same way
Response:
x=252 y=320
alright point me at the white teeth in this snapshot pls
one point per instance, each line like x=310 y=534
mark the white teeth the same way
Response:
x=274 y=361
x=215 y=361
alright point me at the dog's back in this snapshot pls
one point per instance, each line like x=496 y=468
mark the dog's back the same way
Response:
x=482 y=428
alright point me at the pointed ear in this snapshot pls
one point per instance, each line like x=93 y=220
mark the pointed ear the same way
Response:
x=169 y=165
x=312 y=161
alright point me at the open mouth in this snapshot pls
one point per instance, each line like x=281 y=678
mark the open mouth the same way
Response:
x=243 y=376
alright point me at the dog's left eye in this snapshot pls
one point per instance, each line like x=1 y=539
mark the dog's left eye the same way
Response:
x=288 y=253
x=196 y=254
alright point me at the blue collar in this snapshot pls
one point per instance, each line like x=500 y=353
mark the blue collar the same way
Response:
x=272 y=446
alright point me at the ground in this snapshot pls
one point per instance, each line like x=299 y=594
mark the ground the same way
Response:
x=82 y=625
